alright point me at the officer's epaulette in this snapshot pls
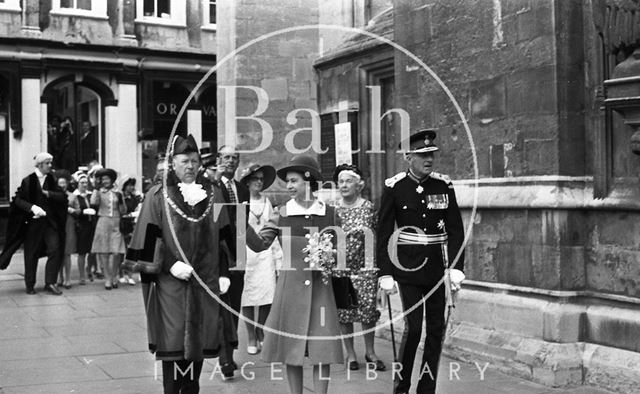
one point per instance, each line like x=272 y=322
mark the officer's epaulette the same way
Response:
x=390 y=182
x=441 y=177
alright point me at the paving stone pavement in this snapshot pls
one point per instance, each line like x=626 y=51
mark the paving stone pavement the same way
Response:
x=90 y=340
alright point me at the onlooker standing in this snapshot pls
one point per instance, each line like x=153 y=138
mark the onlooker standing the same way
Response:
x=84 y=225
x=92 y=260
x=70 y=243
x=260 y=274
x=357 y=214
x=37 y=217
x=132 y=202
x=107 y=240
x=233 y=192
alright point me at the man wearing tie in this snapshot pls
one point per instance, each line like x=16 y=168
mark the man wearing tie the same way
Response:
x=38 y=216
x=234 y=192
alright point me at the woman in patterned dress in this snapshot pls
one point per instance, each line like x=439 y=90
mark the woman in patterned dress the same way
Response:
x=355 y=213
x=107 y=240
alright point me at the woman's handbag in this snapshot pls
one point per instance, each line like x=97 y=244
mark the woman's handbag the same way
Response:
x=344 y=292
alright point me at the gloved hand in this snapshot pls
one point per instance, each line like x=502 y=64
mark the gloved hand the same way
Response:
x=388 y=284
x=181 y=270
x=224 y=284
x=89 y=211
x=70 y=210
x=135 y=214
x=37 y=211
x=457 y=277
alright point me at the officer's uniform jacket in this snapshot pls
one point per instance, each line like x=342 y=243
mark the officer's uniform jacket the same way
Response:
x=429 y=205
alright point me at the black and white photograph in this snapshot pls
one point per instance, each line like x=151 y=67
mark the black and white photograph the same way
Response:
x=320 y=196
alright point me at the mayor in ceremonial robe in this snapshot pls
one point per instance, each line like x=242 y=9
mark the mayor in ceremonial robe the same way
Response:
x=176 y=239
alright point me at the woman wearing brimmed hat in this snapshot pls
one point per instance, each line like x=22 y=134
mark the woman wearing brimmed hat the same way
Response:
x=132 y=201
x=70 y=243
x=260 y=274
x=304 y=305
x=84 y=224
x=107 y=240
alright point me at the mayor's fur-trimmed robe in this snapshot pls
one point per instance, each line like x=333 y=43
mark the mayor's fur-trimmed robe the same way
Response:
x=183 y=321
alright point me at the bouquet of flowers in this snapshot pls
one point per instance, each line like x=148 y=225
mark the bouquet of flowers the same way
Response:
x=321 y=254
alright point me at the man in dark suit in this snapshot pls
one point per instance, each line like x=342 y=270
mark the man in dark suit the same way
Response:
x=39 y=214
x=421 y=205
x=234 y=192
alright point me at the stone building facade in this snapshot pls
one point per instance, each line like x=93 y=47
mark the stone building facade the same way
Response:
x=548 y=89
x=101 y=80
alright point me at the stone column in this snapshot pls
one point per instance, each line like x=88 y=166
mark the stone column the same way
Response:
x=194 y=124
x=121 y=141
x=23 y=149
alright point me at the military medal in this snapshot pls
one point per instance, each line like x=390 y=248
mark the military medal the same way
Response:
x=441 y=225
x=419 y=189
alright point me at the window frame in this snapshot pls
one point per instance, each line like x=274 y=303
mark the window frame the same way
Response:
x=10 y=5
x=178 y=14
x=206 y=11
x=98 y=9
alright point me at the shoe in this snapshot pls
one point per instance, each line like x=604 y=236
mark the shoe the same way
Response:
x=353 y=365
x=52 y=289
x=252 y=349
x=227 y=371
x=123 y=280
x=90 y=276
x=31 y=291
x=115 y=285
x=99 y=275
x=108 y=286
x=379 y=364
x=131 y=282
x=67 y=286
x=82 y=282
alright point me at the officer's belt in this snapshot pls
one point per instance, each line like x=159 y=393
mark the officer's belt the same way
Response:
x=406 y=238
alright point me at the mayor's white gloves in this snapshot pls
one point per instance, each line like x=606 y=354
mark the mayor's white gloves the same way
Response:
x=37 y=211
x=224 y=283
x=388 y=284
x=457 y=277
x=181 y=270
x=89 y=211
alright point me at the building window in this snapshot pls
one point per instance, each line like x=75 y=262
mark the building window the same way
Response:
x=10 y=5
x=164 y=12
x=209 y=13
x=90 y=8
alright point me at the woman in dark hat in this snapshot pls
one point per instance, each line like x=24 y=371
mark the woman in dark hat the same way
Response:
x=132 y=201
x=357 y=216
x=84 y=225
x=304 y=305
x=260 y=274
x=107 y=240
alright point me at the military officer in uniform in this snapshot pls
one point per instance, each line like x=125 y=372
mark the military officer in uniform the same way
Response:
x=418 y=214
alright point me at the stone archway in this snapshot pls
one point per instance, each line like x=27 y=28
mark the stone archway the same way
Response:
x=76 y=120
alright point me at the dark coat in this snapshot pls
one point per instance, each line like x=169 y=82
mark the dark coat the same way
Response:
x=429 y=205
x=20 y=216
x=301 y=298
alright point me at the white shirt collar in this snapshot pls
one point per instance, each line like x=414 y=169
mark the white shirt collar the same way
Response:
x=294 y=209
x=39 y=174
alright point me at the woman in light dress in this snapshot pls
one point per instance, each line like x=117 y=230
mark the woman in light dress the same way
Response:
x=260 y=274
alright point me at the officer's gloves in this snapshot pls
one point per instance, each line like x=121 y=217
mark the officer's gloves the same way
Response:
x=89 y=211
x=456 y=277
x=388 y=284
x=181 y=270
x=224 y=283
x=37 y=211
